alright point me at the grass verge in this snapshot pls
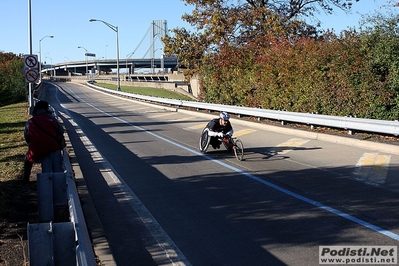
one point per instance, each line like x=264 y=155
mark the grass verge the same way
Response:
x=154 y=92
x=13 y=146
x=17 y=199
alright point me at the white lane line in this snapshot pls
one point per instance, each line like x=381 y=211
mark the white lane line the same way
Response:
x=269 y=184
x=123 y=194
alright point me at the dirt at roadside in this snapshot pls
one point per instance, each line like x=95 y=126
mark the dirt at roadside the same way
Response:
x=22 y=205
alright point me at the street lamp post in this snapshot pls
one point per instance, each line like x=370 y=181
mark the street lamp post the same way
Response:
x=114 y=28
x=87 y=68
x=40 y=55
x=51 y=66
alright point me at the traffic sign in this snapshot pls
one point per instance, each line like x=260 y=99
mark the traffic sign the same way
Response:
x=30 y=61
x=31 y=75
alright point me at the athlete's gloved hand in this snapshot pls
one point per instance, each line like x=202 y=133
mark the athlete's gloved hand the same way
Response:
x=220 y=135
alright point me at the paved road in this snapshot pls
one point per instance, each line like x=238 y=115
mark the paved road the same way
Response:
x=161 y=202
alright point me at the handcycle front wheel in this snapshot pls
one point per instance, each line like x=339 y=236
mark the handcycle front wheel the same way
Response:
x=204 y=140
x=238 y=148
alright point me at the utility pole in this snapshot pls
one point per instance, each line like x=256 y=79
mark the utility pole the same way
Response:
x=30 y=86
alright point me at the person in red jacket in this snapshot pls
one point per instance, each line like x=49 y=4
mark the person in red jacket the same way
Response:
x=45 y=137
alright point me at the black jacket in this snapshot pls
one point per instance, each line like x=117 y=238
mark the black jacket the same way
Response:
x=215 y=126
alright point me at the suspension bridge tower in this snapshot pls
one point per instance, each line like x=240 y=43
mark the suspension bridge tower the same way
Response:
x=158 y=30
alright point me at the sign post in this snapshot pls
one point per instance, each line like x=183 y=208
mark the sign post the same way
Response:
x=31 y=74
x=87 y=68
x=31 y=64
x=30 y=86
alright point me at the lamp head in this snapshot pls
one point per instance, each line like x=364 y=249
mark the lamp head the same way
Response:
x=92 y=20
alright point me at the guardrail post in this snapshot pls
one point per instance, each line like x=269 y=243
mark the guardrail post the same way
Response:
x=51 y=244
x=64 y=244
x=51 y=191
x=60 y=197
x=52 y=163
x=45 y=197
x=40 y=245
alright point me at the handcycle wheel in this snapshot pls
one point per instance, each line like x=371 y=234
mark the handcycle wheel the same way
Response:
x=204 y=140
x=238 y=149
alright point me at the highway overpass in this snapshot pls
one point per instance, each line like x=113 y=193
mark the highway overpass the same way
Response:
x=104 y=66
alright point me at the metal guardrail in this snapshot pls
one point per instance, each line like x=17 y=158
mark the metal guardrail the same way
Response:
x=60 y=243
x=84 y=250
x=51 y=247
x=347 y=123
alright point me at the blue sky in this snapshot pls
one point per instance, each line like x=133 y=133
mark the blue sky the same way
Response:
x=68 y=22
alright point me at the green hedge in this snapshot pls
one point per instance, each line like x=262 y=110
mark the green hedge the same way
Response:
x=355 y=73
x=12 y=82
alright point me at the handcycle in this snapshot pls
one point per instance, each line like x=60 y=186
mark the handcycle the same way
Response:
x=230 y=143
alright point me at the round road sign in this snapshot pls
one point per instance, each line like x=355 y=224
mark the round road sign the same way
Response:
x=31 y=75
x=31 y=61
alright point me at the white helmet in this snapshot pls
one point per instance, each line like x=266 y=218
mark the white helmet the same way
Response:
x=225 y=116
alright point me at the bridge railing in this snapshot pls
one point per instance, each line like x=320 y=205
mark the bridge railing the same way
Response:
x=347 y=123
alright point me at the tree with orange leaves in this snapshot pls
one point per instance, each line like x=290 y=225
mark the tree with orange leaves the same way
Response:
x=12 y=83
x=237 y=22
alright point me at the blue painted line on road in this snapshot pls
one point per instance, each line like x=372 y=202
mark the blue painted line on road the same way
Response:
x=269 y=184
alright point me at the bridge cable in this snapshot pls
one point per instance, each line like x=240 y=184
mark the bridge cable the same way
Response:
x=145 y=35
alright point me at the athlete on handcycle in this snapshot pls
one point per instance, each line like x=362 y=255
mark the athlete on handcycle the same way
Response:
x=219 y=128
